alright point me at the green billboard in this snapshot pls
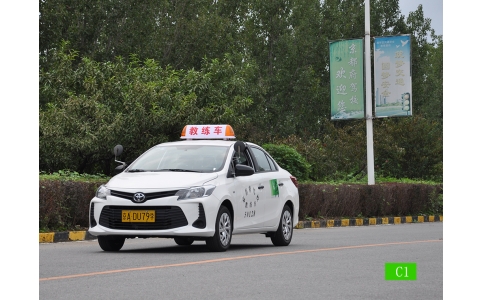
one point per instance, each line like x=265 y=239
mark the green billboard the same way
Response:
x=347 y=79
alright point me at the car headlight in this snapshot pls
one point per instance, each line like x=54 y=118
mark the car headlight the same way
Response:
x=195 y=192
x=102 y=192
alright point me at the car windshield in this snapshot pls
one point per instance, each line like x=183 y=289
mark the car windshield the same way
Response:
x=182 y=158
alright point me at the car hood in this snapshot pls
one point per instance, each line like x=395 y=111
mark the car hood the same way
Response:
x=159 y=180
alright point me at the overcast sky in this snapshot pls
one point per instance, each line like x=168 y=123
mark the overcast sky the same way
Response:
x=432 y=9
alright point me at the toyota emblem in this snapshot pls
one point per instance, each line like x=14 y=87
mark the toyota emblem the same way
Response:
x=139 y=197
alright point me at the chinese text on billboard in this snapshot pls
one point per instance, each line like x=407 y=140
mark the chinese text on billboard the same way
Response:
x=393 y=80
x=346 y=75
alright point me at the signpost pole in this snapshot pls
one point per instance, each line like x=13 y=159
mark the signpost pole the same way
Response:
x=369 y=102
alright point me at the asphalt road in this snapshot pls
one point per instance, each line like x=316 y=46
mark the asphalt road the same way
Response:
x=321 y=263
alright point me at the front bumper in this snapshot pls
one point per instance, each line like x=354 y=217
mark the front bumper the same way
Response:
x=193 y=218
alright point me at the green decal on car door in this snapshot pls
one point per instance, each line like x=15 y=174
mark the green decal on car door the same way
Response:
x=274 y=188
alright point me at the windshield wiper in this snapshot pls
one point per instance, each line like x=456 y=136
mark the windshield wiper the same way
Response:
x=137 y=170
x=177 y=170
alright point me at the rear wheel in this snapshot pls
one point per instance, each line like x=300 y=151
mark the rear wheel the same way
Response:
x=110 y=243
x=184 y=241
x=283 y=235
x=223 y=231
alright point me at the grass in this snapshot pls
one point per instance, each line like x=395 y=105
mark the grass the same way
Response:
x=72 y=176
x=378 y=180
x=75 y=176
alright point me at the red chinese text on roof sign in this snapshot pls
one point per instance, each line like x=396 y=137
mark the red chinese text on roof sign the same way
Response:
x=208 y=132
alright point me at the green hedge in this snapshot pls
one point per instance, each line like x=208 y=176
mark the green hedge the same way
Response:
x=64 y=204
x=359 y=200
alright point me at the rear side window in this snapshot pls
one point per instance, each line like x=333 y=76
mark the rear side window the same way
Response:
x=264 y=162
x=272 y=163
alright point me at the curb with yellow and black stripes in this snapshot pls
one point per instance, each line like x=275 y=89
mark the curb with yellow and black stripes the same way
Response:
x=367 y=221
x=65 y=236
x=55 y=237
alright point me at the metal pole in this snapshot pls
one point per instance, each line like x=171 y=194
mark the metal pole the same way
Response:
x=369 y=102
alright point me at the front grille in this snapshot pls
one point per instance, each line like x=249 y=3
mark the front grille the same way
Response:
x=166 y=217
x=92 y=221
x=148 y=196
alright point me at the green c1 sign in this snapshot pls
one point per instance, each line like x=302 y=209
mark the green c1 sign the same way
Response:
x=400 y=271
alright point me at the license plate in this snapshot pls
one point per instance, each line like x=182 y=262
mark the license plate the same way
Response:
x=141 y=216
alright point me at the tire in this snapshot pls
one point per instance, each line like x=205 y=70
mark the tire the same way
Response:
x=283 y=235
x=184 y=241
x=110 y=243
x=223 y=231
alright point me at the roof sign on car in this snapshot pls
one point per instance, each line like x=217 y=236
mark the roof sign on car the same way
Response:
x=205 y=132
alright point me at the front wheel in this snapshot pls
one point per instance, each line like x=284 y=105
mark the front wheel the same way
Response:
x=223 y=232
x=283 y=235
x=110 y=243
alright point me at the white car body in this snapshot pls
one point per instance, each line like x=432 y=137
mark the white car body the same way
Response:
x=253 y=205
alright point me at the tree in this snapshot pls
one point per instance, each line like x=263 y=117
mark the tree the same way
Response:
x=129 y=71
x=176 y=33
x=409 y=148
x=137 y=104
x=427 y=65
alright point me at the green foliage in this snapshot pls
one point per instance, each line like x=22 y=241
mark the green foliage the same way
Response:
x=409 y=148
x=405 y=180
x=134 y=73
x=176 y=33
x=362 y=200
x=73 y=176
x=404 y=148
x=436 y=203
x=64 y=203
x=339 y=155
x=64 y=200
x=95 y=106
x=288 y=158
x=427 y=65
x=313 y=152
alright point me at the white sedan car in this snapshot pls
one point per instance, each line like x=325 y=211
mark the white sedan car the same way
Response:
x=205 y=187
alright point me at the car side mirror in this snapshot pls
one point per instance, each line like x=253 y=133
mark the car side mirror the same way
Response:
x=243 y=170
x=118 y=150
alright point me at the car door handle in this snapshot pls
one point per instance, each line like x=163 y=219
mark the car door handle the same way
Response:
x=260 y=187
x=281 y=184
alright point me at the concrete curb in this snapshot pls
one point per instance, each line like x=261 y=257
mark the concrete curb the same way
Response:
x=67 y=236
x=367 y=221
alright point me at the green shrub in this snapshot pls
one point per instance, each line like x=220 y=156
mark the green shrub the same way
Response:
x=324 y=200
x=289 y=159
x=93 y=106
x=338 y=155
x=64 y=203
x=72 y=176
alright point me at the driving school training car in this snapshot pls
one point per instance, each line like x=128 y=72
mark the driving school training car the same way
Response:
x=206 y=187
